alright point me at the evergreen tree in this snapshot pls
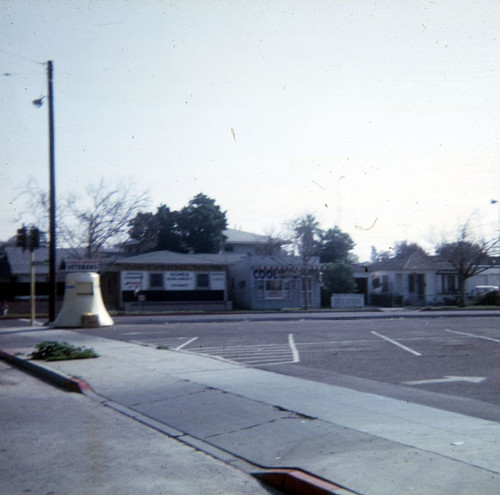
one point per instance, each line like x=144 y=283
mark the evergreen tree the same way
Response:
x=201 y=224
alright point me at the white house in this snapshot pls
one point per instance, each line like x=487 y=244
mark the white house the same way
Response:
x=419 y=279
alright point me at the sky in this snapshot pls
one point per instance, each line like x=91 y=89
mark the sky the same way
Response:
x=380 y=117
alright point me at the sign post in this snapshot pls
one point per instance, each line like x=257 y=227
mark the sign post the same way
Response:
x=30 y=240
x=32 y=284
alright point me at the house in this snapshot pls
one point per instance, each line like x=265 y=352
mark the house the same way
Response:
x=162 y=280
x=402 y=281
x=263 y=277
x=419 y=279
x=241 y=242
x=275 y=282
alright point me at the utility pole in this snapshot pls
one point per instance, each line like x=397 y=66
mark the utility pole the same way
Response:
x=52 y=200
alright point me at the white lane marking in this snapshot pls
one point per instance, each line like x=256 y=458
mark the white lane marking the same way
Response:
x=472 y=335
x=248 y=352
x=449 y=378
x=407 y=349
x=295 y=352
x=185 y=344
x=149 y=332
x=250 y=347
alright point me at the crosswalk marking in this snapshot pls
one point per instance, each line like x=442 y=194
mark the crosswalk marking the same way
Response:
x=254 y=354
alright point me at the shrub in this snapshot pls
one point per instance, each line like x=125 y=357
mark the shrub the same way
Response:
x=52 y=350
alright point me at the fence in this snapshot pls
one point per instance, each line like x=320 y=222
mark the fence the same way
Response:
x=338 y=301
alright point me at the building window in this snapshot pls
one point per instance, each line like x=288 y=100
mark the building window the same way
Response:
x=202 y=281
x=261 y=289
x=416 y=283
x=273 y=289
x=286 y=289
x=156 y=280
x=385 y=283
x=411 y=283
x=449 y=284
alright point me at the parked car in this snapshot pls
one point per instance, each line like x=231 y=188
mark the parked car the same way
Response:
x=486 y=294
x=480 y=290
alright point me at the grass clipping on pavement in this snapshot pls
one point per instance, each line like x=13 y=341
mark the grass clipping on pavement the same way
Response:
x=52 y=350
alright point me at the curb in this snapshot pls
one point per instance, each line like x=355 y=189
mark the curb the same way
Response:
x=298 y=482
x=47 y=374
x=327 y=317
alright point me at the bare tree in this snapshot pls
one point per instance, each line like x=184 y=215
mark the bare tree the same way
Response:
x=112 y=206
x=36 y=211
x=273 y=245
x=92 y=221
x=469 y=258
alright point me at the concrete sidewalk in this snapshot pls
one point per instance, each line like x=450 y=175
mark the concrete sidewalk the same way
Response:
x=260 y=420
x=63 y=443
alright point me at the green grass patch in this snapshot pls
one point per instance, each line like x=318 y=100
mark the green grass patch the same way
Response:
x=52 y=350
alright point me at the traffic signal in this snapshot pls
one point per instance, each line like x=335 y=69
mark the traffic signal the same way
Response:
x=28 y=239
x=34 y=239
x=21 y=238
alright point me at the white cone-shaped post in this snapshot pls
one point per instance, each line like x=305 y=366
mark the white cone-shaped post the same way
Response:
x=83 y=302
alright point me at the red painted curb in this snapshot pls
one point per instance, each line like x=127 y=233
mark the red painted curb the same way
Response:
x=45 y=373
x=297 y=482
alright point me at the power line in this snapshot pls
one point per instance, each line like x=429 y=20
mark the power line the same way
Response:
x=13 y=74
x=15 y=55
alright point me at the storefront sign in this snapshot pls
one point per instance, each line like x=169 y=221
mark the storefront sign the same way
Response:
x=217 y=281
x=132 y=280
x=179 y=281
x=265 y=273
x=82 y=265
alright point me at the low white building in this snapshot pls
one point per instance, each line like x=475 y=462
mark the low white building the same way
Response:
x=418 y=280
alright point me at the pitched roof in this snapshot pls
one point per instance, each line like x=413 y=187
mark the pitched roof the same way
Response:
x=279 y=260
x=172 y=258
x=19 y=260
x=240 y=237
x=413 y=262
x=441 y=265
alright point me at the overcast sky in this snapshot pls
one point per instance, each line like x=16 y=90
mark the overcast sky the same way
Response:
x=381 y=117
